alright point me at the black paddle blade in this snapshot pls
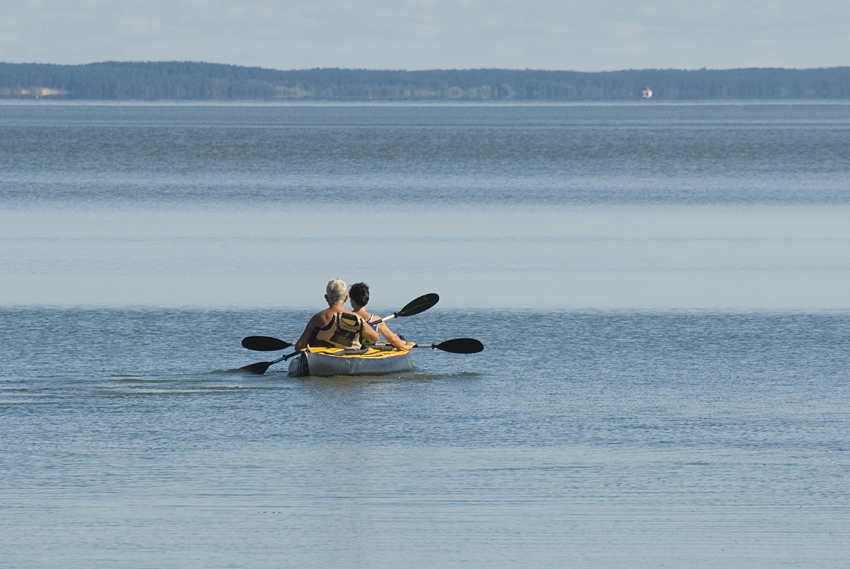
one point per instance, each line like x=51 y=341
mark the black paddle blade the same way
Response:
x=460 y=346
x=259 y=368
x=418 y=305
x=264 y=344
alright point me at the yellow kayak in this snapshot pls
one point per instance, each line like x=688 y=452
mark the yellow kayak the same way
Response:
x=380 y=359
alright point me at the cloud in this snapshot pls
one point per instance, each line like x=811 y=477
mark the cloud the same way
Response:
x=427 y=34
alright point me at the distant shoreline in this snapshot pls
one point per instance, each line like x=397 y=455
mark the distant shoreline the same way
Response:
x=188 y=81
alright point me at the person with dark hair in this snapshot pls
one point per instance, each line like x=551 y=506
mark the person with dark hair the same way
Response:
x=336 y=327
x=358 y=295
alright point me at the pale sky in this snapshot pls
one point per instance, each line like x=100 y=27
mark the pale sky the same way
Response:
x=585 y=35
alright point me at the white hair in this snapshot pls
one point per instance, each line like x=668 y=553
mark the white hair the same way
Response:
x=336 y=290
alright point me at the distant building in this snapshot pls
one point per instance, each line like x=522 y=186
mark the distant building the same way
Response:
x=647 y=93
x=35 y=92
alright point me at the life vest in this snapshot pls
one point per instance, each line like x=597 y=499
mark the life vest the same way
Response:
x=343 y=331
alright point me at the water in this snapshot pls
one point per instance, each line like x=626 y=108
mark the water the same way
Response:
x=715 y=206
x=661 y=290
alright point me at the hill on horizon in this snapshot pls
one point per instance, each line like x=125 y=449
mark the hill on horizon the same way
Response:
x=173 y=80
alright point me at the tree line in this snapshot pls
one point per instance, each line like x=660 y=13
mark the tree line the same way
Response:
x=209 y=81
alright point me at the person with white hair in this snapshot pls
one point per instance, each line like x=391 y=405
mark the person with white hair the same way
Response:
x=336 y=327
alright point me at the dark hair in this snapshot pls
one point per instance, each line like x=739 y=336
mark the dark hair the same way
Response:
x=359 y=293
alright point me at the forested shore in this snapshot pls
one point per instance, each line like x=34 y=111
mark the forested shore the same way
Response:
x=209 y=81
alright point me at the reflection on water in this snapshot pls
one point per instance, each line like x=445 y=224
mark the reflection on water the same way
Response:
x=671 y=257
x=720 y=206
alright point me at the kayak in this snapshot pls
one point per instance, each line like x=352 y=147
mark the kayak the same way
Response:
x=380 y=359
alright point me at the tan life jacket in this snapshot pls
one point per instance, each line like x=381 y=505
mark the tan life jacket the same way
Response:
x=343 y=331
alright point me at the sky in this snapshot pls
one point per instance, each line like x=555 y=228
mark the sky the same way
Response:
x=574 y=35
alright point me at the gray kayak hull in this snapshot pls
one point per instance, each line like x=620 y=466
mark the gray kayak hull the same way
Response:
x=323 y=362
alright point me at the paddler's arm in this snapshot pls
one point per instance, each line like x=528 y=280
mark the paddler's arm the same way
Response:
x=392 y=338
x=367 y=333
x=315 y=322
x=302 y=341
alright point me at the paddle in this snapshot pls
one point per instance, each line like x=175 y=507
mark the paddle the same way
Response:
x=260 y=367
x=457 y=346
x=264 y=343
x=415 y=306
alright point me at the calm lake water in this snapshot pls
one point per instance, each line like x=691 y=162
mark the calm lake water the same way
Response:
x=662 y=290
